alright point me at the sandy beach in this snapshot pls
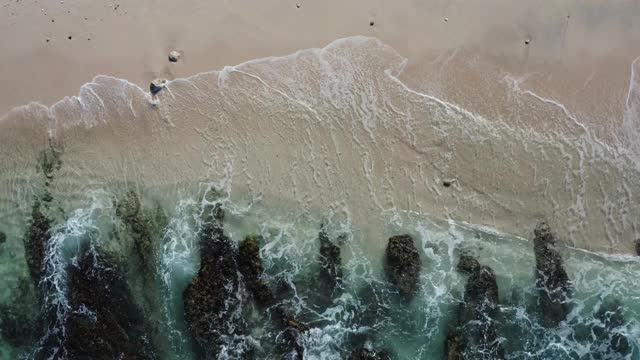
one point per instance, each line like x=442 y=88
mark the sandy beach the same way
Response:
x=50 y=48
x=513 y=77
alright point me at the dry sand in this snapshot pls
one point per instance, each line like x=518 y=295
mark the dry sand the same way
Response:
x=131 y=38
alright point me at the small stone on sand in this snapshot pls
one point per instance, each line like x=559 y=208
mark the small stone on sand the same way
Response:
x=174 y=56
x=446 y=19
x=371 y=23
x=157 y=85
x=527 y=41
x=448 y=182
x=298 y=6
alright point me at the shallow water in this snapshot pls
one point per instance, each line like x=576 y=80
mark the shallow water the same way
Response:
x=328 y=136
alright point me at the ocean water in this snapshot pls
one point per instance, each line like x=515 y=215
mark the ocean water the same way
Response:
x=114 y=183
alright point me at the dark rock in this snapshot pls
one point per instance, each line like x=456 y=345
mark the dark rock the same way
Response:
x=49 y=161
x=476 y=332
x=18 y=318
x=367 y=354
x=638 y=247
x=292 y=331
x=554 y=287
x=157 y=85
x=403 y=265
x=468 y=265
x=3 y=238
x=612 y=319
x=36 y=240
x=331 y=263
x=129 y=210
x=209 y=300
x=250 y=266
x=103 y=322
x=453 y=349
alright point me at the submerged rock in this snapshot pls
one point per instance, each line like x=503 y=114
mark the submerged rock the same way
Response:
x=638 y=247
x=157 y=85
x=36 y=240
x=453 y=346
x=103 y=322
x=403 y=264
x=129 y=210
x=18 y=318
x=331 y=264
x=292 y=331
x=476 y=332
x=612 y=320
x=210 y=299
x=554 y=287
x=3 y=238
x=368 y=354
x=250 y=266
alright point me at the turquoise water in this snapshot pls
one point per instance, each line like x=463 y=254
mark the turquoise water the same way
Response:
x=289 y=251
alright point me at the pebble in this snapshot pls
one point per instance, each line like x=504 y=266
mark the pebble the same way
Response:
x=174 y=56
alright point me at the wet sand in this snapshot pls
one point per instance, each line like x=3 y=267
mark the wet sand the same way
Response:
x=528 y=131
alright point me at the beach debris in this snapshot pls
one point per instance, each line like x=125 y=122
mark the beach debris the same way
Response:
x=371 y=23
x=448 y=182
x=157 y=85
x=174 y=56
x=554 y=287
x=403 y=265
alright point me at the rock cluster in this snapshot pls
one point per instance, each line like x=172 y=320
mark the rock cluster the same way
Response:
x=554 y=287
x=403 y=264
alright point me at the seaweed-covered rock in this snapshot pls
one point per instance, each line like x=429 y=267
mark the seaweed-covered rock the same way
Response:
x=453 y=347
x=364 y=353
x=18 y=318
x=250 y=266
x=468 y=265
x=403 y=264
x=476 y=332
x=554 y=287
x=103 y=322
x=49 y=161
x=612 y=320
x=209 y=300
x=36 y=240
x=330 y=265
x=129 y=210
x=292 y=331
